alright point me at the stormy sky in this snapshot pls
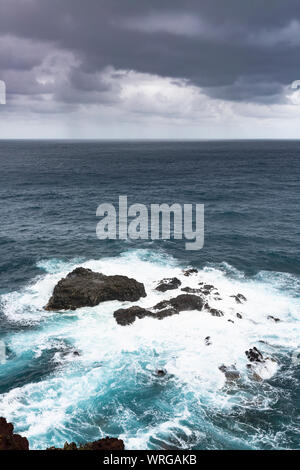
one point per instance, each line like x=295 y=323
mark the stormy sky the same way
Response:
x=150 y=68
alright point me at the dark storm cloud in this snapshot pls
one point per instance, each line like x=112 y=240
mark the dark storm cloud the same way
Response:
x=233 y=49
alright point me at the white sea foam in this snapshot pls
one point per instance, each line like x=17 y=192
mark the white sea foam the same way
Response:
x=113 y=356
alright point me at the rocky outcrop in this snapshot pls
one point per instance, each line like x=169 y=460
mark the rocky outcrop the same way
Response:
x=85 y=288
x=9 y=440
x=166 y=308
x=168 y=284
x=109 y=443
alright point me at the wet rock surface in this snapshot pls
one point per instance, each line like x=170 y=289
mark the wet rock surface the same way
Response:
x=9 y=440
x=166 y=308
x=85 y=288
x=108 y=443
x=188 y=272
x=181 y=303
x=231 y=373
x=254 y=355
x=239 y=298
x=168 y=284
x=274 y=319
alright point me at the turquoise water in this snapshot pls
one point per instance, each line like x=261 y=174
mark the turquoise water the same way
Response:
x=50 y=192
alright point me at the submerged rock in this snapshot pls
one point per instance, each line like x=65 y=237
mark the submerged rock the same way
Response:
x=108 y=443
x=9 y=440
x=231 y=373
x=168 y=284
x=85 y=288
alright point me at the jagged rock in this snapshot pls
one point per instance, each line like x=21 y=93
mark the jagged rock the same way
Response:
x=254 y=355
x=213 y=311
x=166 y=308
x=189 y=272
x=231 y=373
x=168 y=284
x=181 y=303
x=9 y=440
x=276 y=320
x=239 y=298
x=262 y=368
x=127 y=316
x=85 y=288
x=208 y=287
x=107 y=443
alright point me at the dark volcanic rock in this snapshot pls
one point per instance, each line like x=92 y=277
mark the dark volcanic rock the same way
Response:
x=254 y=355
x=276 y=320
x=208 y=341
x=84 y=288
x=9 y=440
x=181 y=303
x=189 y=272
x=213 y=311
x=166 y=308
x=239 y=316
x=168 y=284
x=127 y=316
x=190 y=290
x=239 y=298
x=231 y=373
x=108 y=443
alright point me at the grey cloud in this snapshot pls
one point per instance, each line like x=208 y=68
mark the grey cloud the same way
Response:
x=234 y=50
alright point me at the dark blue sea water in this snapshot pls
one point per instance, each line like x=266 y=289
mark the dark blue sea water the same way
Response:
x=49 y=195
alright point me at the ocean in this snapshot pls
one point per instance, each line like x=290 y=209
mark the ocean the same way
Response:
x=50 y=191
